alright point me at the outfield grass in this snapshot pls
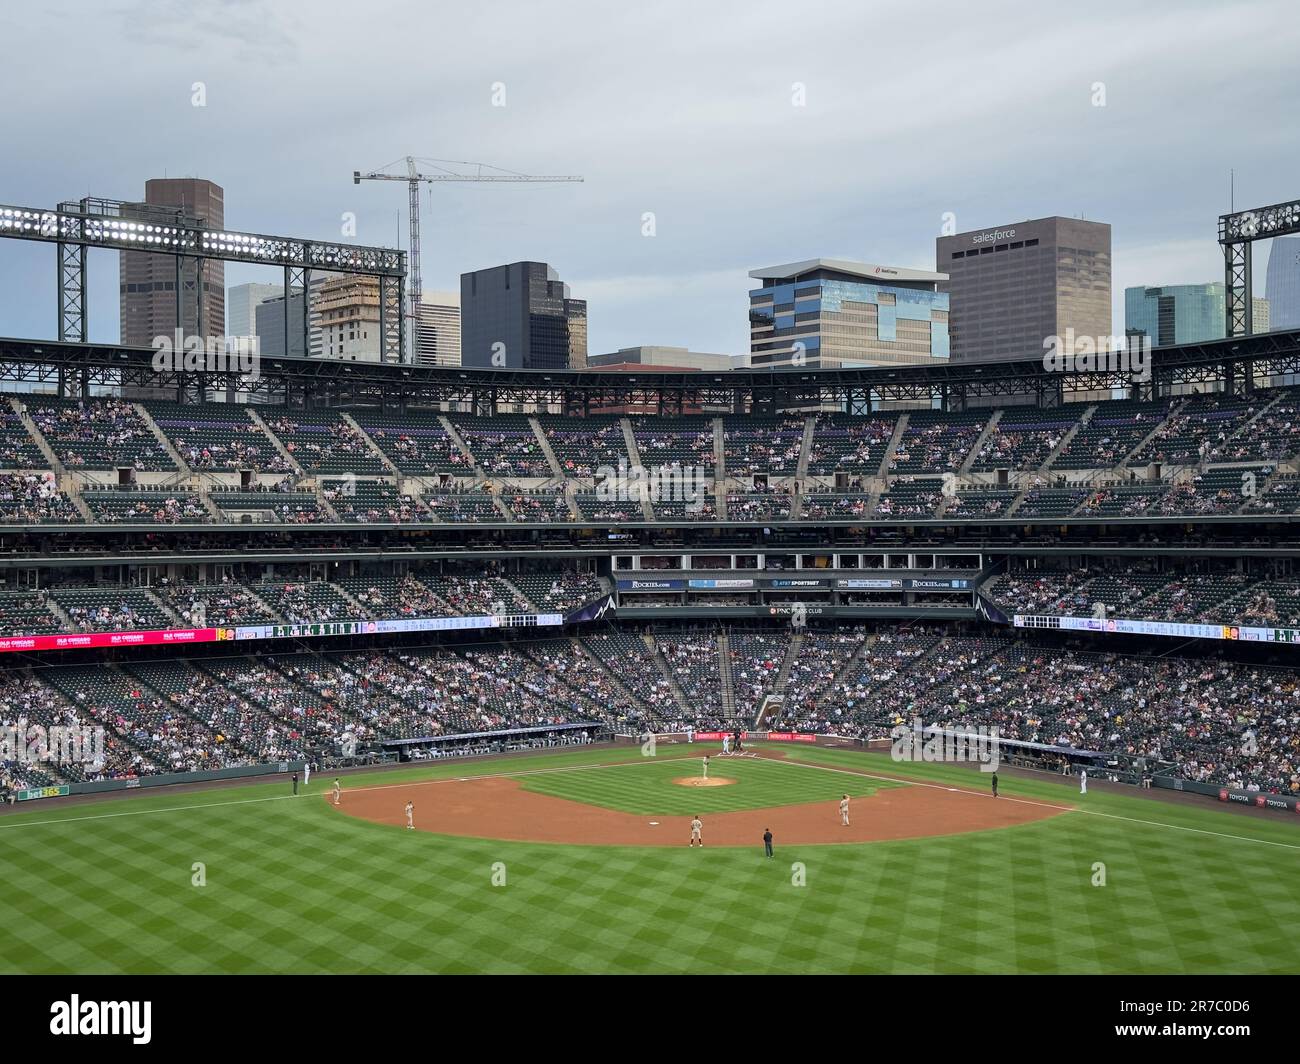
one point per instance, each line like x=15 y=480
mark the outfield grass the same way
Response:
x=292 y=886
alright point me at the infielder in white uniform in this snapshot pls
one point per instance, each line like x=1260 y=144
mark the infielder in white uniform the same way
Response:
x=697 y=825
x=706 y=766
x=410 y=816
x=336 y=791
x=306 y=774
x=1083 y=781
x=844 y=810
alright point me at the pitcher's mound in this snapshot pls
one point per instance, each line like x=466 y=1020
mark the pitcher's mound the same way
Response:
x=696 y=781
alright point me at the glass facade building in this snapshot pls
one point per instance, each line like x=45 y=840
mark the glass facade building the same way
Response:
x=836 y=313
x=1282 y=283
x=1184 y=313
x=524 y=316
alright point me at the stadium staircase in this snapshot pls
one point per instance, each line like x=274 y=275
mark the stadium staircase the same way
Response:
x=459 y=440
x=69 y=625
x=350 y=598
x=805 y=450
x=275 y=441
x=546 y=447
x=1173 y=413
x=571 y=498
x=163 y=607
x=678 y=694
x=499 y=502
x=791 y=652
x=162 y=439
x=614 y=681
x=375 y=449
x=900 y=427
x=213 y=509
x=728 y=690
x=629 y=441
x=983 y=438
x=720 y=468
x=513 y=588
x=796 y=501
x=42 y=444
x=1066 y=440
x=325 y=505
x=1281 y=394
x=850 y=666
x=634 y=459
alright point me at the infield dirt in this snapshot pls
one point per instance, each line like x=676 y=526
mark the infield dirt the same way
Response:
x=500 y=808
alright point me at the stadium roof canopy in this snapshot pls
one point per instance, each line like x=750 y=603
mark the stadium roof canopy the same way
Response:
x=1231 y=365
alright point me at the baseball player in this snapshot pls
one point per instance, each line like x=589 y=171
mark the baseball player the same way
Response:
x=306 y=773
x=844 y=810
x=995 y=785
x=410 y=816
x=336 y=790
x=726 y=743
x=697 y=826
x=1083 y=781
x=706 y=766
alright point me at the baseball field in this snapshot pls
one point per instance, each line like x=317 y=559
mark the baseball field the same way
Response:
x=578 y=862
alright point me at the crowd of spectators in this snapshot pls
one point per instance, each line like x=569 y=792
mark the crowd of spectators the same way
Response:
x=34 y=498
x=101 y=432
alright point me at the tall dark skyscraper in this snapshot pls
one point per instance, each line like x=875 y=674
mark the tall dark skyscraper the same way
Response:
x=523 y=314
x=1011 y=287
x=147 y=283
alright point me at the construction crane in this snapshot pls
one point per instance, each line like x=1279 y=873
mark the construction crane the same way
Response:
x=437 y=172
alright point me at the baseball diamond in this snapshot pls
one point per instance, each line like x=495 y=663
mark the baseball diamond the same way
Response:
x=935 y=875
x=752 y=531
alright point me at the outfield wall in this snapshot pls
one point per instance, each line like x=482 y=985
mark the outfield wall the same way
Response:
x=163 y=779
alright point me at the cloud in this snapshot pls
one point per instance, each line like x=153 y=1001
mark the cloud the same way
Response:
x=909 y=111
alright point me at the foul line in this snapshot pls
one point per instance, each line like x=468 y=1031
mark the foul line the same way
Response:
x=1041 y=805
x=142 y=812
x=626 y=764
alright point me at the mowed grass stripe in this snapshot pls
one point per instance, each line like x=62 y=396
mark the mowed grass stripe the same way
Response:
x=292 y=886
x=649 y=789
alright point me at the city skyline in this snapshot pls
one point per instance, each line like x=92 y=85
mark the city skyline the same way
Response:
x=880 y=195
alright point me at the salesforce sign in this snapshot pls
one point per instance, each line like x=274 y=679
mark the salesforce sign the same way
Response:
x=992 y=236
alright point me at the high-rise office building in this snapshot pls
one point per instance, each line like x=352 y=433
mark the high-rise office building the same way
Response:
x=269 y=324
x=346 y=311
x=1184 y=313
x=521 y=316
x=829 y=313
x=437 y=332
x=1012 y=287
x=1282 y=283
x=242 y=302
x=148 y=283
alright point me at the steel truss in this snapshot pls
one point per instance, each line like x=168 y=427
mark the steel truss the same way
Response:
x=1237 y=233
x=117 y=225
x=1233 y=366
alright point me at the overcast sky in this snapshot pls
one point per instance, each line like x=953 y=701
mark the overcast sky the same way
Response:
x=687 y=110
